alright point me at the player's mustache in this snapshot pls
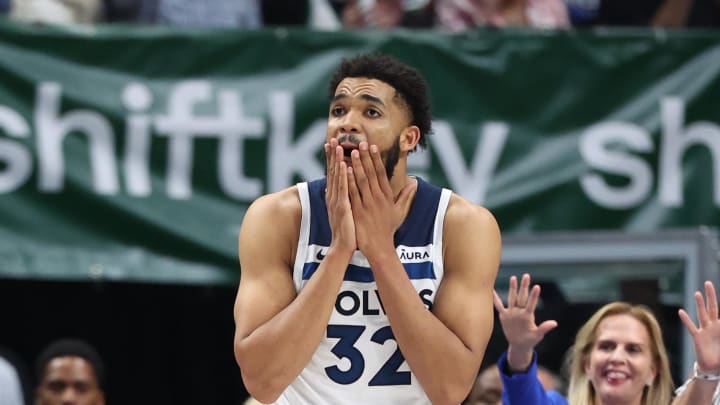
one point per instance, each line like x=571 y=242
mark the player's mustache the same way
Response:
x=351 y=138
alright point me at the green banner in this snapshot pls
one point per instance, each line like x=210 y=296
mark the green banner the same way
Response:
x=132 y=153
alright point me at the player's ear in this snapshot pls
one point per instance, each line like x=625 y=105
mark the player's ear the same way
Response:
x=409 y=138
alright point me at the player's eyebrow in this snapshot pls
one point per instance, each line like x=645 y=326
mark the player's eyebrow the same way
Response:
x=367 y=97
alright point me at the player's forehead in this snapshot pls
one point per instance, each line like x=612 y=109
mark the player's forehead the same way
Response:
x=357 y=87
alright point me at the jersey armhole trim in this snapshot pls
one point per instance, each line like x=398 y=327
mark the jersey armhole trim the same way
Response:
x=304 y=236
x=438 y=233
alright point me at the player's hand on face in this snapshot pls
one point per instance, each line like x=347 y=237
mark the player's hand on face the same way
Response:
x=376 y=212
x=337 y=199
x=706 y=334
x=518 y=319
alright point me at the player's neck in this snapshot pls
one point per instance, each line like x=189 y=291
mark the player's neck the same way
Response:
x=400 y=178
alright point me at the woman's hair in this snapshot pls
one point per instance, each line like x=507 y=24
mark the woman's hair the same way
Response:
x=581 y=391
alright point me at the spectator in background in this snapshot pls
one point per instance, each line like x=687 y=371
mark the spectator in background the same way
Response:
x=189 y=13
x=193 y=13
x=57 y=11
x=314 y=14
x=657 y=13
x=10 y=388
x=618 y=356
x=385 y=14
x=487 y=389
x=549 y=380
x=488 y=385
x=70 y=372
x=209 y=13
x=461 y=15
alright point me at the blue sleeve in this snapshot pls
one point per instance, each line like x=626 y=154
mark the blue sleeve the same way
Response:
x=525 y=388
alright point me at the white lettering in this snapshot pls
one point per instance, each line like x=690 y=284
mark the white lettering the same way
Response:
x=137 y=98
x=51 y=131
x=594 y=147
x=18 y=161
x=181 y=126
x=287 y=158
x=471 y=184
x=674 y=145
x=619 y=176
x=236 y=129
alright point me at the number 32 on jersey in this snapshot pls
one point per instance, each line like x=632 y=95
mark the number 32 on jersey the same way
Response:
x=388 y=373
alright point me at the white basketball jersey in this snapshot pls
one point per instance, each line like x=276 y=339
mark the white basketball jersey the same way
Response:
x=358 y=361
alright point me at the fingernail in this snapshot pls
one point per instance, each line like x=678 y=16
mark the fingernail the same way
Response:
x=374 y=149
x=363 y=145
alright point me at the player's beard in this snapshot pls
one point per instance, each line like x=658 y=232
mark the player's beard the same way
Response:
x=390 y=157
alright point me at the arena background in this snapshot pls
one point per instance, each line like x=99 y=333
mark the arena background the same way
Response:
x=128 y=156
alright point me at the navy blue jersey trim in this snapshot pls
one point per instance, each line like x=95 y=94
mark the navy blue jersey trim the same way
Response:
x=361 y=274
x=418 y=227
x=416 y=230
x=319 y=225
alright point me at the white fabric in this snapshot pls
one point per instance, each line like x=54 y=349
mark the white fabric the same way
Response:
x=716 y=396
x=216 y=13
x=10 y=389
x=323 y=17
x=56 y=11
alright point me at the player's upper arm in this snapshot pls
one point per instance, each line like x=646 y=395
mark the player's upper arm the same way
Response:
x=266 y=246
x=471 y=255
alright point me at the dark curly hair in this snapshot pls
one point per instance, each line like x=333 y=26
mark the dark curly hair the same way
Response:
x=74 y=348
x=410 y=87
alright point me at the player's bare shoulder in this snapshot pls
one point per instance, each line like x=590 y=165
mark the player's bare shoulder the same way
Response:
x=462 y=214
x=283 y=204
x=273 y=218
x=470 y=229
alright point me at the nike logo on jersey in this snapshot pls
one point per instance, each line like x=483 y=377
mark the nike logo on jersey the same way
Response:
x=320 y=256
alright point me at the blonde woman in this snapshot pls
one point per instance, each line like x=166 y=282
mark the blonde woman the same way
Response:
x=618 y=357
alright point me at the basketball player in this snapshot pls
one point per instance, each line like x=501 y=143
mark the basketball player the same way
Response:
x=367 y=286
